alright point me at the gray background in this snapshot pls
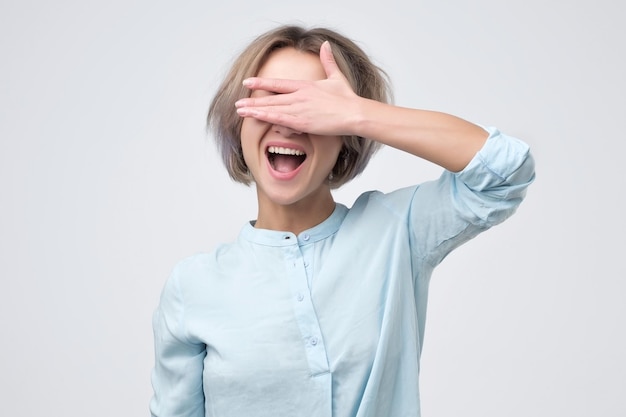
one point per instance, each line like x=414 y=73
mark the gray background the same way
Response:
x=107 y=178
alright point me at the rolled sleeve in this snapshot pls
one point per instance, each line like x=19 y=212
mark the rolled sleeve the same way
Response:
x=458 y=206
x=494 y=183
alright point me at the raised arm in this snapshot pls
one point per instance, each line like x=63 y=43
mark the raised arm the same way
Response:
x=330 y=107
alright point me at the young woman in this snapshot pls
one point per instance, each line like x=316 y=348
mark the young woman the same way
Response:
x=318 y=309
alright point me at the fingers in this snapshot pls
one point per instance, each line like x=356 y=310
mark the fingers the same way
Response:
x=282 y=86
x=279 y=88
x=328 y=60
x=273 y=100
x=272 y=85
x=276 y=118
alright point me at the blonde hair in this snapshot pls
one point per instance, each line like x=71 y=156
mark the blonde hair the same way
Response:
x=366 y=79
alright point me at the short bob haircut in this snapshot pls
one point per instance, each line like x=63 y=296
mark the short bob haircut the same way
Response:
x=366 y=79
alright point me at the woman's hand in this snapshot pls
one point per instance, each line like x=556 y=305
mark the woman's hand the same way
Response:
x=325 y=107
x=330 y=107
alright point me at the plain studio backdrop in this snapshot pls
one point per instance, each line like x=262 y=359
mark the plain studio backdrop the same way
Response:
x=107 y=179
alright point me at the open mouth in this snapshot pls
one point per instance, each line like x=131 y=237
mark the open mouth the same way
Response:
x=285 y=159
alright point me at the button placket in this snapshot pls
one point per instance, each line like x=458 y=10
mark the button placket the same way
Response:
x=308 y=252
x=305 y=312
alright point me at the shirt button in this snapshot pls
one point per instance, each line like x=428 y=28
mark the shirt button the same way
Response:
x=300 y=296
x=306 y=264
x=314 y=341
x=306 y=237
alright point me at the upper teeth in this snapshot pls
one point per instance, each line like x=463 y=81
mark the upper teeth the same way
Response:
x=284 y=151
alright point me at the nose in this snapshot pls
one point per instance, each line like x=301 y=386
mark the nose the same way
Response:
x=285 y=131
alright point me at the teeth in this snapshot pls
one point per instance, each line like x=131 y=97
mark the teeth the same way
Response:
x=284 y=151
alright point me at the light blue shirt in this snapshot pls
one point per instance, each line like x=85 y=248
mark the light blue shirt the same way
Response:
x=329 y=322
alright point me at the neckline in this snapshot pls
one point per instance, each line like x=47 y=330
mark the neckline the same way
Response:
x=283 y=238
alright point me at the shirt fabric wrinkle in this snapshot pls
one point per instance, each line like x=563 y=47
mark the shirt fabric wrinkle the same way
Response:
x=329 y=322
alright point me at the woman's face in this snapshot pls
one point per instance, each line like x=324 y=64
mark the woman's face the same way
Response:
x=288 y=167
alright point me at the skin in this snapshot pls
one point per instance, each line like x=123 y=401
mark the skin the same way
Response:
x=323 y=105
x=290 y=202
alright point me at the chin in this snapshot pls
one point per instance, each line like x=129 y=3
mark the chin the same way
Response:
x=286 y=199
x=288 y=195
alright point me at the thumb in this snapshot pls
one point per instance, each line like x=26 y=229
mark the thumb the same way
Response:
x=328 y=61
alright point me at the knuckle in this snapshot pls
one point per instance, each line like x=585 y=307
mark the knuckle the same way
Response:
x=276 y=85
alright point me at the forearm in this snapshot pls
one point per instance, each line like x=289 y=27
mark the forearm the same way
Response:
x=441 y=138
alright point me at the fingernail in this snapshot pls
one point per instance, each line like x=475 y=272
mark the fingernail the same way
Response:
x=246 y=112
x=247 y=82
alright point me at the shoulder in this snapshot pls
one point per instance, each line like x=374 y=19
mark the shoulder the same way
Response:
x=194 y=275
x=224 y=257
x=397 y=202
x=189 y=269
x=200 y=263
x=375 y=207
x=192 y=263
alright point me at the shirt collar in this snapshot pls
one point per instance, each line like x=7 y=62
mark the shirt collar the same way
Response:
x=280 y=238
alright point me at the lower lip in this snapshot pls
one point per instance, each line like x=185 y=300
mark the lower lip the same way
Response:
x=283 y=176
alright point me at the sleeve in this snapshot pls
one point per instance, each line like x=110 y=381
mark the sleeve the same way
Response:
x=458 y=206
x=177 y=374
